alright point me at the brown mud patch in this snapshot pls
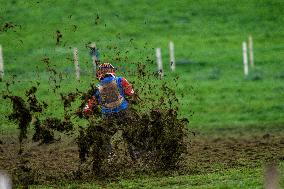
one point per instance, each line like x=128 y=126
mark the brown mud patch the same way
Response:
x=45 y=163
x=59 y=161
x=210 y=154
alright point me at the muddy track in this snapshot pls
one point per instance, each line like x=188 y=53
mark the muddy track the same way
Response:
x=59 y=161
x=211 y=154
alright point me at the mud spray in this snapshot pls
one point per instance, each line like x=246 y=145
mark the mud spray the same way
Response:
x=148 y=138
x=148 y=142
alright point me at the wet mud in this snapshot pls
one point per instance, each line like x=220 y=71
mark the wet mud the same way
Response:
x=59 y=161
x=153 y=141
x=207 y=153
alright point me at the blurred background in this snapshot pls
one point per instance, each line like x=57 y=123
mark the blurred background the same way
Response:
x=207 y=37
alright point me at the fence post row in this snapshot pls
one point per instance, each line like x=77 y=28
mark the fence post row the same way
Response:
x=76 y=63
x=159 y=62
x=245 y=58
x=172 y=56
x=1 y=64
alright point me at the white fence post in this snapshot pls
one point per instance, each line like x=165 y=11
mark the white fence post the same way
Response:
x=1 y=64
x=251 y=51
x=76 y=63
x=5 y=181
x=172 y=56
x=159 y=62
x=245 y=58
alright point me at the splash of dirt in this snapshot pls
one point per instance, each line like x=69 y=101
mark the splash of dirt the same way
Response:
x=59 y=37
x=97 y=19
x=44 y=130
x=153 y=136
x=152 y=139
x=21 y=114
x=8 y=26
x=152 y=142
x=68 y=99
x=27 y=111
x=55 y=77
x=23 y=111
x=85 y=96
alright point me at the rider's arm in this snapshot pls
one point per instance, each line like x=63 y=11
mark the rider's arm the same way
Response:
x=127 y=87
x=92 y=102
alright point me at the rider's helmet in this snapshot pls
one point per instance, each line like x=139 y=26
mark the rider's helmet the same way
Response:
x=104 y=70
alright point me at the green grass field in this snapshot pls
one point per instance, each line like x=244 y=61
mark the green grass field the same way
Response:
x=207 y=35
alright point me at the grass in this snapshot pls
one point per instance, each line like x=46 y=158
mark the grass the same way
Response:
x=207 y=43
x=233 y=178
x=207 y=34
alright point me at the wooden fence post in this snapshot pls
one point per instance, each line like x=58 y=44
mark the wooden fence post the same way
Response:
x=1 y=64
x=245 y=58
x=251 y=51
x=172 y=56
x=159 y=62
x=76 y=63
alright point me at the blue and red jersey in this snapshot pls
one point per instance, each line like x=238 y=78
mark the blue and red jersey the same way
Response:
x=111 y=95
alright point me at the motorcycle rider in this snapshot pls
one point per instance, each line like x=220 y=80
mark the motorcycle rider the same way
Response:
x=112 y=94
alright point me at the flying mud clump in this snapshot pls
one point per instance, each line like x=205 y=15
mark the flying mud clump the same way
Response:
x=149 y=142
x=149 y=137
x=26 y=112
